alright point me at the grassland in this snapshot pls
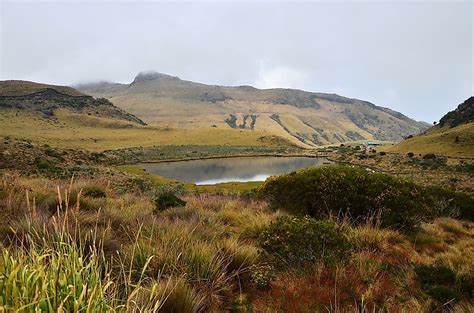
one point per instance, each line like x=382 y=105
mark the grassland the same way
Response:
x=77 y=131
x=207 y=256
x=454 y=142
x=18 y=88
x=438 y=170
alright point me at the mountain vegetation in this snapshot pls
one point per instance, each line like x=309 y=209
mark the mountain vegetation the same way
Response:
x=63 y=117
x=305 y=118
x=452 y=136
x=46 y=99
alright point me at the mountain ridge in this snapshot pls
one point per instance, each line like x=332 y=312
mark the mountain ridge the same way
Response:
x=46 y=99
x=306 y=118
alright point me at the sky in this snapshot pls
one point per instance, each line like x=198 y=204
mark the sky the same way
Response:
x=413 y=57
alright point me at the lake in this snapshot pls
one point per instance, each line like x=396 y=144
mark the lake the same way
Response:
x=222 y=170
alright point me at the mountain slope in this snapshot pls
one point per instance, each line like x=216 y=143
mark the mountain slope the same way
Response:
x=47 y=99
x=306 y=118
x=452 y=136
x=66 y=118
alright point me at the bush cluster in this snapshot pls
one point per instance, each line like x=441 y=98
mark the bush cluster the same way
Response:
x=443 y=283
x=94 y=192
x=360 y=194
x=323 y=191
x=452 y=204
x=294 y=239
x=168 y=196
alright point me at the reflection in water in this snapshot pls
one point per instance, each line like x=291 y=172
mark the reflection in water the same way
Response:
x=240 y=169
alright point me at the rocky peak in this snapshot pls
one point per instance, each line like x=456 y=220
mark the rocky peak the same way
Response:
x=152 y=75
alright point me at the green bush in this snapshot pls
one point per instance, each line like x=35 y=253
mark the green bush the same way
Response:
x=452 y=204
x=435 y=274
x=466 y=282
x=444 y=294
x=168 y=196
x=323 y=191
x=303 y=239
x=439 y=282
x=94 y=192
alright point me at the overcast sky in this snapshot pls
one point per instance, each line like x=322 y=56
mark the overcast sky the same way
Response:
x=414 y=57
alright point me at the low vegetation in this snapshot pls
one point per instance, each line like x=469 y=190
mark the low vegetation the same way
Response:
x=89 y=243
x=359 y=194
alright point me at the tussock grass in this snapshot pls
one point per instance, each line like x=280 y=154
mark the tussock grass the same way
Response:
x=203 y=256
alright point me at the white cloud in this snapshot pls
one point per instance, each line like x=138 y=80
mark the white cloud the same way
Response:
x=279 y=77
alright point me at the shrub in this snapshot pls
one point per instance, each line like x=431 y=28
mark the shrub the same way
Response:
x=435 y=274
x=429 y=156
x=168 y=196
x=452 y=204
x=262 y=276
x=466 y=282
x=322 y=191
x=383 y=153
x=94 y=192
x=410 y=154
x=439 y=281
x=303 y=239
x=444 y=294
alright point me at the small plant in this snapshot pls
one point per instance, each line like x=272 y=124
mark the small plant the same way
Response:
x=303 y=239
x=429 y=156
x=168 y=196
x=94 y=192
x=410 y=154
x=262 y=276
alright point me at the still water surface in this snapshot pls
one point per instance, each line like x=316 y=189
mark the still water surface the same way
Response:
x=239 y=169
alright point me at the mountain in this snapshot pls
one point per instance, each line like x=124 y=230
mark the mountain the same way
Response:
x=452 y=136
x=305 y=118
x=47 y=99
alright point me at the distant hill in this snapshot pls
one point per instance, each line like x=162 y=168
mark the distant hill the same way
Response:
x=452 y=136
x=46 y=99
x=305 y=118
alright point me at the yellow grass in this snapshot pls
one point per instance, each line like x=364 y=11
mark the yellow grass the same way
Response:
x=98 y=134
x=441 y=141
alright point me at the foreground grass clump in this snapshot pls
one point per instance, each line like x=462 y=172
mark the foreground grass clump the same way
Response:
x=296 y=240
x=324 y=191
x=54 y=277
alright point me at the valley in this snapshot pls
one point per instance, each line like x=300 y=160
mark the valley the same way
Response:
x=238 y=202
